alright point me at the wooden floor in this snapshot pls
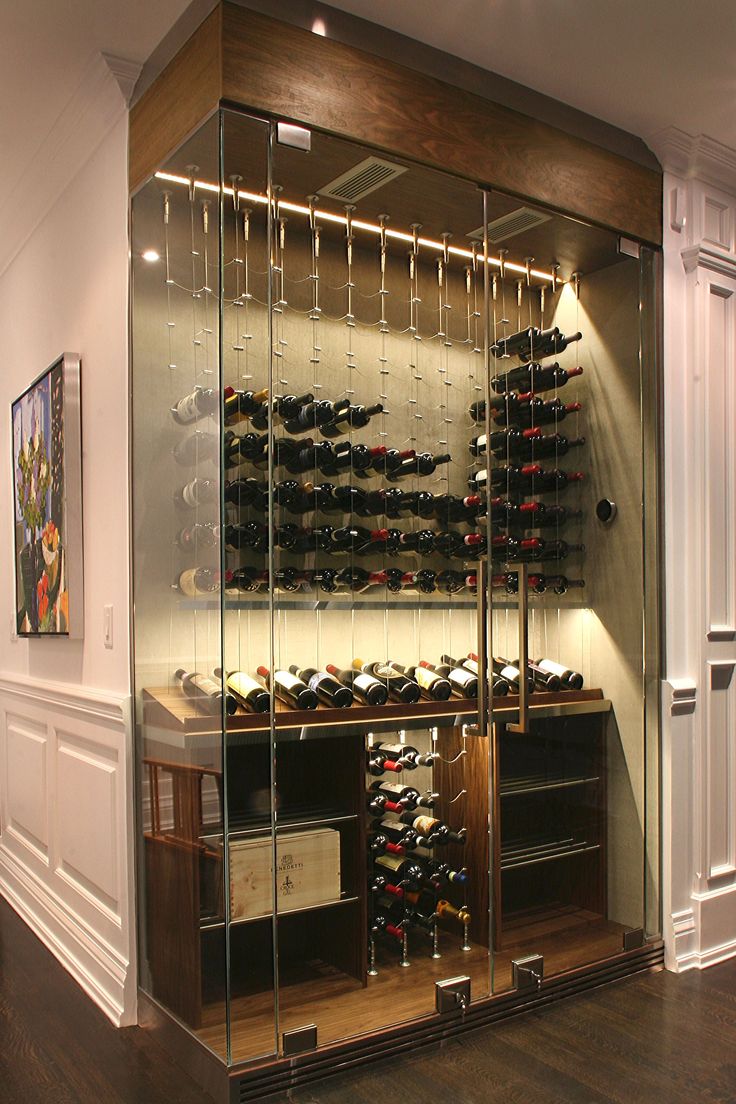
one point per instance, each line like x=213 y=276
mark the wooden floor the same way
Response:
x=654 y=1039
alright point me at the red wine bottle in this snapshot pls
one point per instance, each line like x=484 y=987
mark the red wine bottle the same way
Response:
x=196 y=582
x=502 y=442
x=390 y=460
x=535 y=377
x=379 y=764
x=405 y=796
x=199 y=535
x=424 y=463
x=238 y=405
x=537 y=412
x=516 y=342
x=571 y=680
x=378 y=804
x=249 y=579
x=434 y=829
x=244 y=689
x=379 y=883
x=205 y=693
x=539 y=515
x=245 y=492
x=379 y=842
x=351 y=417
x=197 y=492
x=285 y=407
x=315 y=414
x=407 y=838
x=554 y=444
x=199 y=403
x=560 y=584
x=289 y=689
x=507 y=476
x=477 y=409
x=406 y=754
x=433 y=686
x=512 y=675
x=327 y=688
x=363 y=686
x=399 y=687
x=462 y=681
x=549 y=343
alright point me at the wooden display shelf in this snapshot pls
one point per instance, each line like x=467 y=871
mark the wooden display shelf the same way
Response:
x=170 y=709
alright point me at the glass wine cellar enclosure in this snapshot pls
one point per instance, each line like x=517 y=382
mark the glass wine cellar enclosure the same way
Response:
x=393 y=568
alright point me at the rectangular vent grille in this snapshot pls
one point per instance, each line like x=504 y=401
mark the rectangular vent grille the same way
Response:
x=361 y=180
x=507 y=226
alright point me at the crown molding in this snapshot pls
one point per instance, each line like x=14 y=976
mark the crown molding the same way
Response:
x=95 y=107
x=125 y=72
x=695 y=157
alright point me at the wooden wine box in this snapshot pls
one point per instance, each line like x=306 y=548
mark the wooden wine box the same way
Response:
x=307 y=872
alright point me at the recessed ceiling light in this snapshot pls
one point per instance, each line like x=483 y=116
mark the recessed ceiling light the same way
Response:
x=319 y=28
x=150 y=255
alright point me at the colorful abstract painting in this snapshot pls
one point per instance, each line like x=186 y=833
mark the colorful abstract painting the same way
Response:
x=42 y=594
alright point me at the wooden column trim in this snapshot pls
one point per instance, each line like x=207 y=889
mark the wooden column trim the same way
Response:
x=189 y=88
x=283 y=70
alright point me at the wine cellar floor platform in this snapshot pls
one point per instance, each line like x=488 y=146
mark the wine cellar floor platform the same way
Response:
x=655 y=1037
x=343 y=1007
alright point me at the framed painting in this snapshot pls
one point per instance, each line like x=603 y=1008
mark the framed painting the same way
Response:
x=47 y=495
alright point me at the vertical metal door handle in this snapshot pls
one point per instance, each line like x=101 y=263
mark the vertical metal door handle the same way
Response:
x=482 y=644
x=523 y=576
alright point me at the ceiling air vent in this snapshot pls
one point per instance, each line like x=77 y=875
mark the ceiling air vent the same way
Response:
x=507 y=226
x=362 y=179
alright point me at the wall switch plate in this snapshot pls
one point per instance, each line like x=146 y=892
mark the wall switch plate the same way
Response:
x=107 y=622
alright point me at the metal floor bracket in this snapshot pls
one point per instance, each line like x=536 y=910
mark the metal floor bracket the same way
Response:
x=528 y=972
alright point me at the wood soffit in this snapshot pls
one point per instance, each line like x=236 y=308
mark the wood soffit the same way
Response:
x=247 y=59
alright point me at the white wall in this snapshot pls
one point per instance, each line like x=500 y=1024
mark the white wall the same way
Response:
x=699 y=692
x=65 y=749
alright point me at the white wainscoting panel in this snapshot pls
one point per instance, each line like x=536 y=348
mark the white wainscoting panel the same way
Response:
x=699 y=688
x=66 y=831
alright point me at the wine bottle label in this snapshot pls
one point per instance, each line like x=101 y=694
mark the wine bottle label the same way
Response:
x=511 y=674
x=462 y=678
x=390 y=862
x=425 y=677
x=392 y=749
x=364 y=682
x=188 y=584
x=241 y=684
x=384 y=671
x=189 y=493
x=206 y=685
x=424 y=825
x=472 y=665
x=287 y=680
x=552 y=668
x=392 y=788
x=186 y=409
x=317 y=679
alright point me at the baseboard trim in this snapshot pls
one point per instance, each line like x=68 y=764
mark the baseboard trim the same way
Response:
x=97 y=968
x=701 y=960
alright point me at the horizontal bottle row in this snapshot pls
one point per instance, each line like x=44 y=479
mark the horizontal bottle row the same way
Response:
x=358 y=540
x=370 y=684
x=392 y=503
x=523 y=444
x=202 y=582
x=533 y=343
x=524 y=410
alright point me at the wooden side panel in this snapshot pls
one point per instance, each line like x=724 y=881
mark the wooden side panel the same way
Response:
x=273 y=67
x=187 y=90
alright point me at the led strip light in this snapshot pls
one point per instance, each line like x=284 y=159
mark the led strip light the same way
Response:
x=369 y=227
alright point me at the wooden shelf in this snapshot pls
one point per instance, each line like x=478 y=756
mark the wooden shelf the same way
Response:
x=170 y=709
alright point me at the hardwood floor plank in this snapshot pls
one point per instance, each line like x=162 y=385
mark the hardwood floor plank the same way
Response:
x=651 y=1039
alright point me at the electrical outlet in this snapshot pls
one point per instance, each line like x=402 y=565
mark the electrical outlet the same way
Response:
x=107 y=620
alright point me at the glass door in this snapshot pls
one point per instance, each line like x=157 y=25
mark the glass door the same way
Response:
x=381 y=777
x=563 y=461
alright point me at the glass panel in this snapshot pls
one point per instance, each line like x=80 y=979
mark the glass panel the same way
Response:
x=176 y=583
x=382 y=806
x=565 y=442
x=247 y=614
